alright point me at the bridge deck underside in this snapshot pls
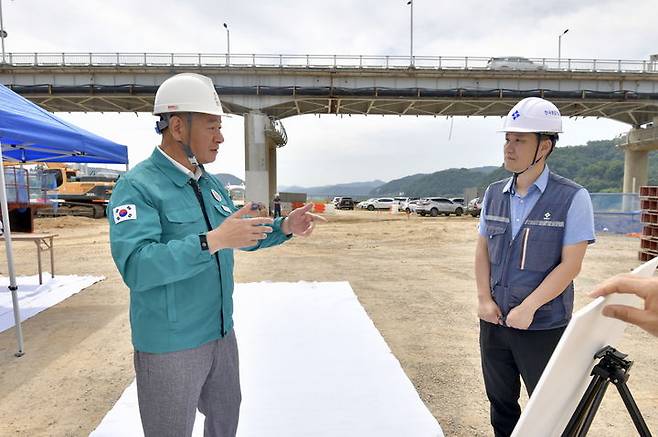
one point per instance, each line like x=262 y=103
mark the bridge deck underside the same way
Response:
x=627 y=96
x=637 y=112
x=633 y=111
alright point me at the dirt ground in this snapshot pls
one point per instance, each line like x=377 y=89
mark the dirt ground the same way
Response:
x=413 y=276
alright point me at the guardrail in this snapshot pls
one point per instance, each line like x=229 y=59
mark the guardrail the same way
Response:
x=326 y=61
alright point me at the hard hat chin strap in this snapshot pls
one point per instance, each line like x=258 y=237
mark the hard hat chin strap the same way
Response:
x=163 y=124
x=186 y=145
x=535 y=160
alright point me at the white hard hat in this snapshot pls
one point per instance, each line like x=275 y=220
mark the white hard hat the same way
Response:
x=187 y=92
x=533 y=114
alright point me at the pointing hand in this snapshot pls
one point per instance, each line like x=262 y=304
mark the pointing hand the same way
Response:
x=301 y=222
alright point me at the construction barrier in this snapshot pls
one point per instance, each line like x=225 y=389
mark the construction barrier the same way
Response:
x=318 y=207
x=620 y=213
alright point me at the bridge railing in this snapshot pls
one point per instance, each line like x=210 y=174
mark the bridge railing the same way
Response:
x=326 y=61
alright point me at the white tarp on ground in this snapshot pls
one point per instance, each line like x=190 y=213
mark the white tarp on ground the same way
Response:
x=34 y=298
x=312 y=363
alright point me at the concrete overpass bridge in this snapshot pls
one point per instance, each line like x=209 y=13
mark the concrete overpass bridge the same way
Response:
x=267 y=88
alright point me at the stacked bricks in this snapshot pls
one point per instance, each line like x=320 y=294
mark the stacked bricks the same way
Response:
x=649 y=218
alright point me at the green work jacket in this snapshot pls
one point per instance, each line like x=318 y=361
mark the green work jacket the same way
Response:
x=180 y=295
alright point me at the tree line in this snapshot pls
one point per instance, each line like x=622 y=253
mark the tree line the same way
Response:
x=598 y=166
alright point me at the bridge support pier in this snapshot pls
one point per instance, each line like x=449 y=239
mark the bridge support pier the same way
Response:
x=260 y=159
x=639 y=142
x=636 y=170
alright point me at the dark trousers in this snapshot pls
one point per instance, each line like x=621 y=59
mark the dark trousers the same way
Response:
x=506 y=354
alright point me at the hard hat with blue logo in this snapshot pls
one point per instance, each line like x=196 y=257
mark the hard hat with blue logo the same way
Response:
x=533 y=115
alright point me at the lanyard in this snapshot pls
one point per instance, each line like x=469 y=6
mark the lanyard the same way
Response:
x=202 y=204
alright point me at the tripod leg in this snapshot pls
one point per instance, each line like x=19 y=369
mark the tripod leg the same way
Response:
x=596 y=403
x=582 y=410
x=633 y=410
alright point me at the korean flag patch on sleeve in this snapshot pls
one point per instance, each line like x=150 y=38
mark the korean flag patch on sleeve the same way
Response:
x=124 y=212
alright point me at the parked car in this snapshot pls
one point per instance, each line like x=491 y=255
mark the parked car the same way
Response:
x=434 y=206
x=402 y=200
x=364 y=204
x=422 y=204
x=474 y=207
x=459 y=200
x=345 y=203
x=410 y=205
x=379 y=203
x=512 y=63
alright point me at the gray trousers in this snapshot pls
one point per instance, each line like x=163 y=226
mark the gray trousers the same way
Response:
x=171 y=386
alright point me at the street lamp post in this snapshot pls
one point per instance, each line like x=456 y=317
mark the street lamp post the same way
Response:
x=559 y=49
x=3 y=34
x=411 y=31
x=228 y=45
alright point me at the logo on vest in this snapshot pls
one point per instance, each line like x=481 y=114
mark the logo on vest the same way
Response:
x=547 y=216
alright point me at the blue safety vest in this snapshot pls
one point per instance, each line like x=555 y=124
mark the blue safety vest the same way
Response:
x=518 y=265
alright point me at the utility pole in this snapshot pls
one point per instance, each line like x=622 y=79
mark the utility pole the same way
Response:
x=3 y=34
x=559 y=49
x=411 y=31
x=228 y=45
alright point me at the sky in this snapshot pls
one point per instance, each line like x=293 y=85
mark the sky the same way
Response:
x=356 y=148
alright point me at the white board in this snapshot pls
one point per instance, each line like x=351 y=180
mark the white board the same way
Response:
x=567 y=373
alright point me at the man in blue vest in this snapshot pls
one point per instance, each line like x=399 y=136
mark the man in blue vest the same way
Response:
x=534 y=230
x=173 y=229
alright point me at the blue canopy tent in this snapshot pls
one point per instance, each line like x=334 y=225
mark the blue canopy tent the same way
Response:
x=29 y=133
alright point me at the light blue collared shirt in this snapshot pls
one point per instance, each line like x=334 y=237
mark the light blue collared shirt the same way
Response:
x=580 y=217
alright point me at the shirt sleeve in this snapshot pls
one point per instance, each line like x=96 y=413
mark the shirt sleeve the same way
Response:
x=482 y=227
x=580 y=220
x=143 y=260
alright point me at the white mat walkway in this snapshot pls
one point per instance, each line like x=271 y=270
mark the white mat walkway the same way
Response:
x=34 y=298
x=312 y=363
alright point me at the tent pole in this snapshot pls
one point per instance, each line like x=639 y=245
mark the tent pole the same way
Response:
x=10 y=260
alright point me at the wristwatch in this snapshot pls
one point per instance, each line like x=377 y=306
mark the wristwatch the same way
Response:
x=203 y=240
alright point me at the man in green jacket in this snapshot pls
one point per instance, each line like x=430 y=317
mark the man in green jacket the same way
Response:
x=173 y=229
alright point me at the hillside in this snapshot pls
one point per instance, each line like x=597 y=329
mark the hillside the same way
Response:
x=598 y=166
x=227 y=178
x=357 y=189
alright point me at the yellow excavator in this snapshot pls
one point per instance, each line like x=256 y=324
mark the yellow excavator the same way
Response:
x=52 y=189
x=75 y=194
